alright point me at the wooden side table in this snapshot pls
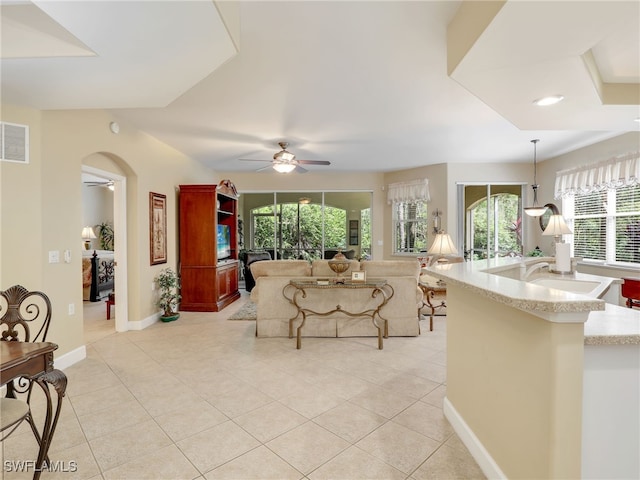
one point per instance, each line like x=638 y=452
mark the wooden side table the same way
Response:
x=429 y=290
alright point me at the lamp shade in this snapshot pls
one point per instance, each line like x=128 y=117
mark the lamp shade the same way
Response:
x=442 y=245
x=535 y=211
x=557 y=226
x=88 y=234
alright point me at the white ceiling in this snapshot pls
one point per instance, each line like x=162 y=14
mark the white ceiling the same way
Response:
x=362 y=84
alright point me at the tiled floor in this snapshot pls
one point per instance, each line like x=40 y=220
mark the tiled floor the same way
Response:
x=203 y=398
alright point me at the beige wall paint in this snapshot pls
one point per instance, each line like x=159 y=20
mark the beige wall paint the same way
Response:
x=510 y=372
x=50 y=194
x=21 y=254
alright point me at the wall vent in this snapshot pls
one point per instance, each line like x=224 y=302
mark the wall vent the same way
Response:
x=14 y=142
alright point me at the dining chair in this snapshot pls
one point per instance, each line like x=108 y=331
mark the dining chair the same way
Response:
x=25 y=317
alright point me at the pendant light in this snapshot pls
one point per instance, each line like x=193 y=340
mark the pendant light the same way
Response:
x=535 y=210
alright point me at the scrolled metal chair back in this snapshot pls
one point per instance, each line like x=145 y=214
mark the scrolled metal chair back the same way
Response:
x=24 y=315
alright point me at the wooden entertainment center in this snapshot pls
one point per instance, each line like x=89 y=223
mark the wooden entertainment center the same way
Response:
x=208 y=247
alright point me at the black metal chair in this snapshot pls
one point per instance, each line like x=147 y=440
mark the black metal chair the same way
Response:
x=25 y=317
x=251 y=257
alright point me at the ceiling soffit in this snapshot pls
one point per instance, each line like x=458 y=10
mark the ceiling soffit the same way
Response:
x=522 y=51
x=181 y=44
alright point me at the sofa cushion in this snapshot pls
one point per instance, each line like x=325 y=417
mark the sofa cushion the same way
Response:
x=391 y=268
x=320 y=268
x=280 y=268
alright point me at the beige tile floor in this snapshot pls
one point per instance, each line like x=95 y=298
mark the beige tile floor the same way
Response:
x=203 y=398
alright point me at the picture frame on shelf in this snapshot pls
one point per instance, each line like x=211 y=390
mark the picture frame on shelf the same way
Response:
x=157 y=228
x=358 y=276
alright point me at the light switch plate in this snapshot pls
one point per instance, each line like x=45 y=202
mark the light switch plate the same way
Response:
x=54 y=256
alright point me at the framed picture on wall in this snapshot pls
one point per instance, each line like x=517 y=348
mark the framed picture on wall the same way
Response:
x=353 y=232
x=158 y=228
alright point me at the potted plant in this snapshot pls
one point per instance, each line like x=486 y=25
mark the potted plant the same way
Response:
x=105 y=233
x=168 y=284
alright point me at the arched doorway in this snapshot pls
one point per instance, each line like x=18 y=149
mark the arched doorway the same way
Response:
x=120 y=241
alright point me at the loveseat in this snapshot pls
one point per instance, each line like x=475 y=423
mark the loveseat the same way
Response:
x=274 y=310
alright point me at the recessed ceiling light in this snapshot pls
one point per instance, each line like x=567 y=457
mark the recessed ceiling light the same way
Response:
x=545 y=101
x=637 y=119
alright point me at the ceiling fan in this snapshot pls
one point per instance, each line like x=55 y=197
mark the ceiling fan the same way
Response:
x=108 y=184
x=285 y=162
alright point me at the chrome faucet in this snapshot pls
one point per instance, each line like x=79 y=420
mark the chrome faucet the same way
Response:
x=524 y=274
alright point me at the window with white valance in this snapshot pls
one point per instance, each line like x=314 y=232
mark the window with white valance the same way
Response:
x=613 y=173
x=412 y=191
x=601 y=203
x=410 y=217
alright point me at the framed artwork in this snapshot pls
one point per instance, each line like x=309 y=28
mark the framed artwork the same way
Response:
x=353 y=232
x=158 y=228
x=358 y=276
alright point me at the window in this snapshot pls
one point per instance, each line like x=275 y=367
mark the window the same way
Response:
x=410 y=227
x=307 y=225
x=408 y=201
x=492 y=216
x=605 y=224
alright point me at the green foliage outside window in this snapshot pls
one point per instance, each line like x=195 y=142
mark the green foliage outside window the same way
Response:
x=508 y=226
x=299 y=229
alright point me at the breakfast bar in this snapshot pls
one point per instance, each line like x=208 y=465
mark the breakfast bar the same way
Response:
x=541 y=382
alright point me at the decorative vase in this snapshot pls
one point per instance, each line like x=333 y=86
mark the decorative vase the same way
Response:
x=339 y=264
x=170 y=318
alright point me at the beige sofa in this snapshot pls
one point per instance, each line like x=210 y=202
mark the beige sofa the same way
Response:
x=274 y=310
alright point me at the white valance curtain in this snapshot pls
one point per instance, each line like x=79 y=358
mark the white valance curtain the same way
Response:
x=613 y=173
x=413 y=191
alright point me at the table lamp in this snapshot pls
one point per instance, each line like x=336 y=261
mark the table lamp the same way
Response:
x=87 y=236
x=442 y=245
x=558 y=227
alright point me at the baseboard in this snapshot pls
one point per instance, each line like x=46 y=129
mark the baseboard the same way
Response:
x=144 y=323
x=68 y=359
x=486 y=463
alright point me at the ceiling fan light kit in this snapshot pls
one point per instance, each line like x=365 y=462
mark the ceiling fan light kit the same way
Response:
x=284 y=167
x=285 y=161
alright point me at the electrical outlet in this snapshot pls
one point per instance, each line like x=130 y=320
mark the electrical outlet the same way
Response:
x=72 y=309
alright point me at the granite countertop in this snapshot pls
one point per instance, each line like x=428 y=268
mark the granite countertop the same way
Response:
x=484 y=278
x=616 y=325
x=604 y=323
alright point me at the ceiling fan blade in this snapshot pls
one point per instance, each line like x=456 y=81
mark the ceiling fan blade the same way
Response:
x=300 y=169
x=253 y=160
x=314 y=162
x=263 y=169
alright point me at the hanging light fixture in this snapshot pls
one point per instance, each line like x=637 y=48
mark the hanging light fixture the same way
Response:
x=284 y=167
x=284 y=161
x=535 y=210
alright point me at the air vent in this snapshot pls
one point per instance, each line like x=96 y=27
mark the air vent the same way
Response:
x=14 y=142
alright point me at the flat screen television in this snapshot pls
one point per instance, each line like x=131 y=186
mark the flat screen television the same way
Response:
x=224 y=242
